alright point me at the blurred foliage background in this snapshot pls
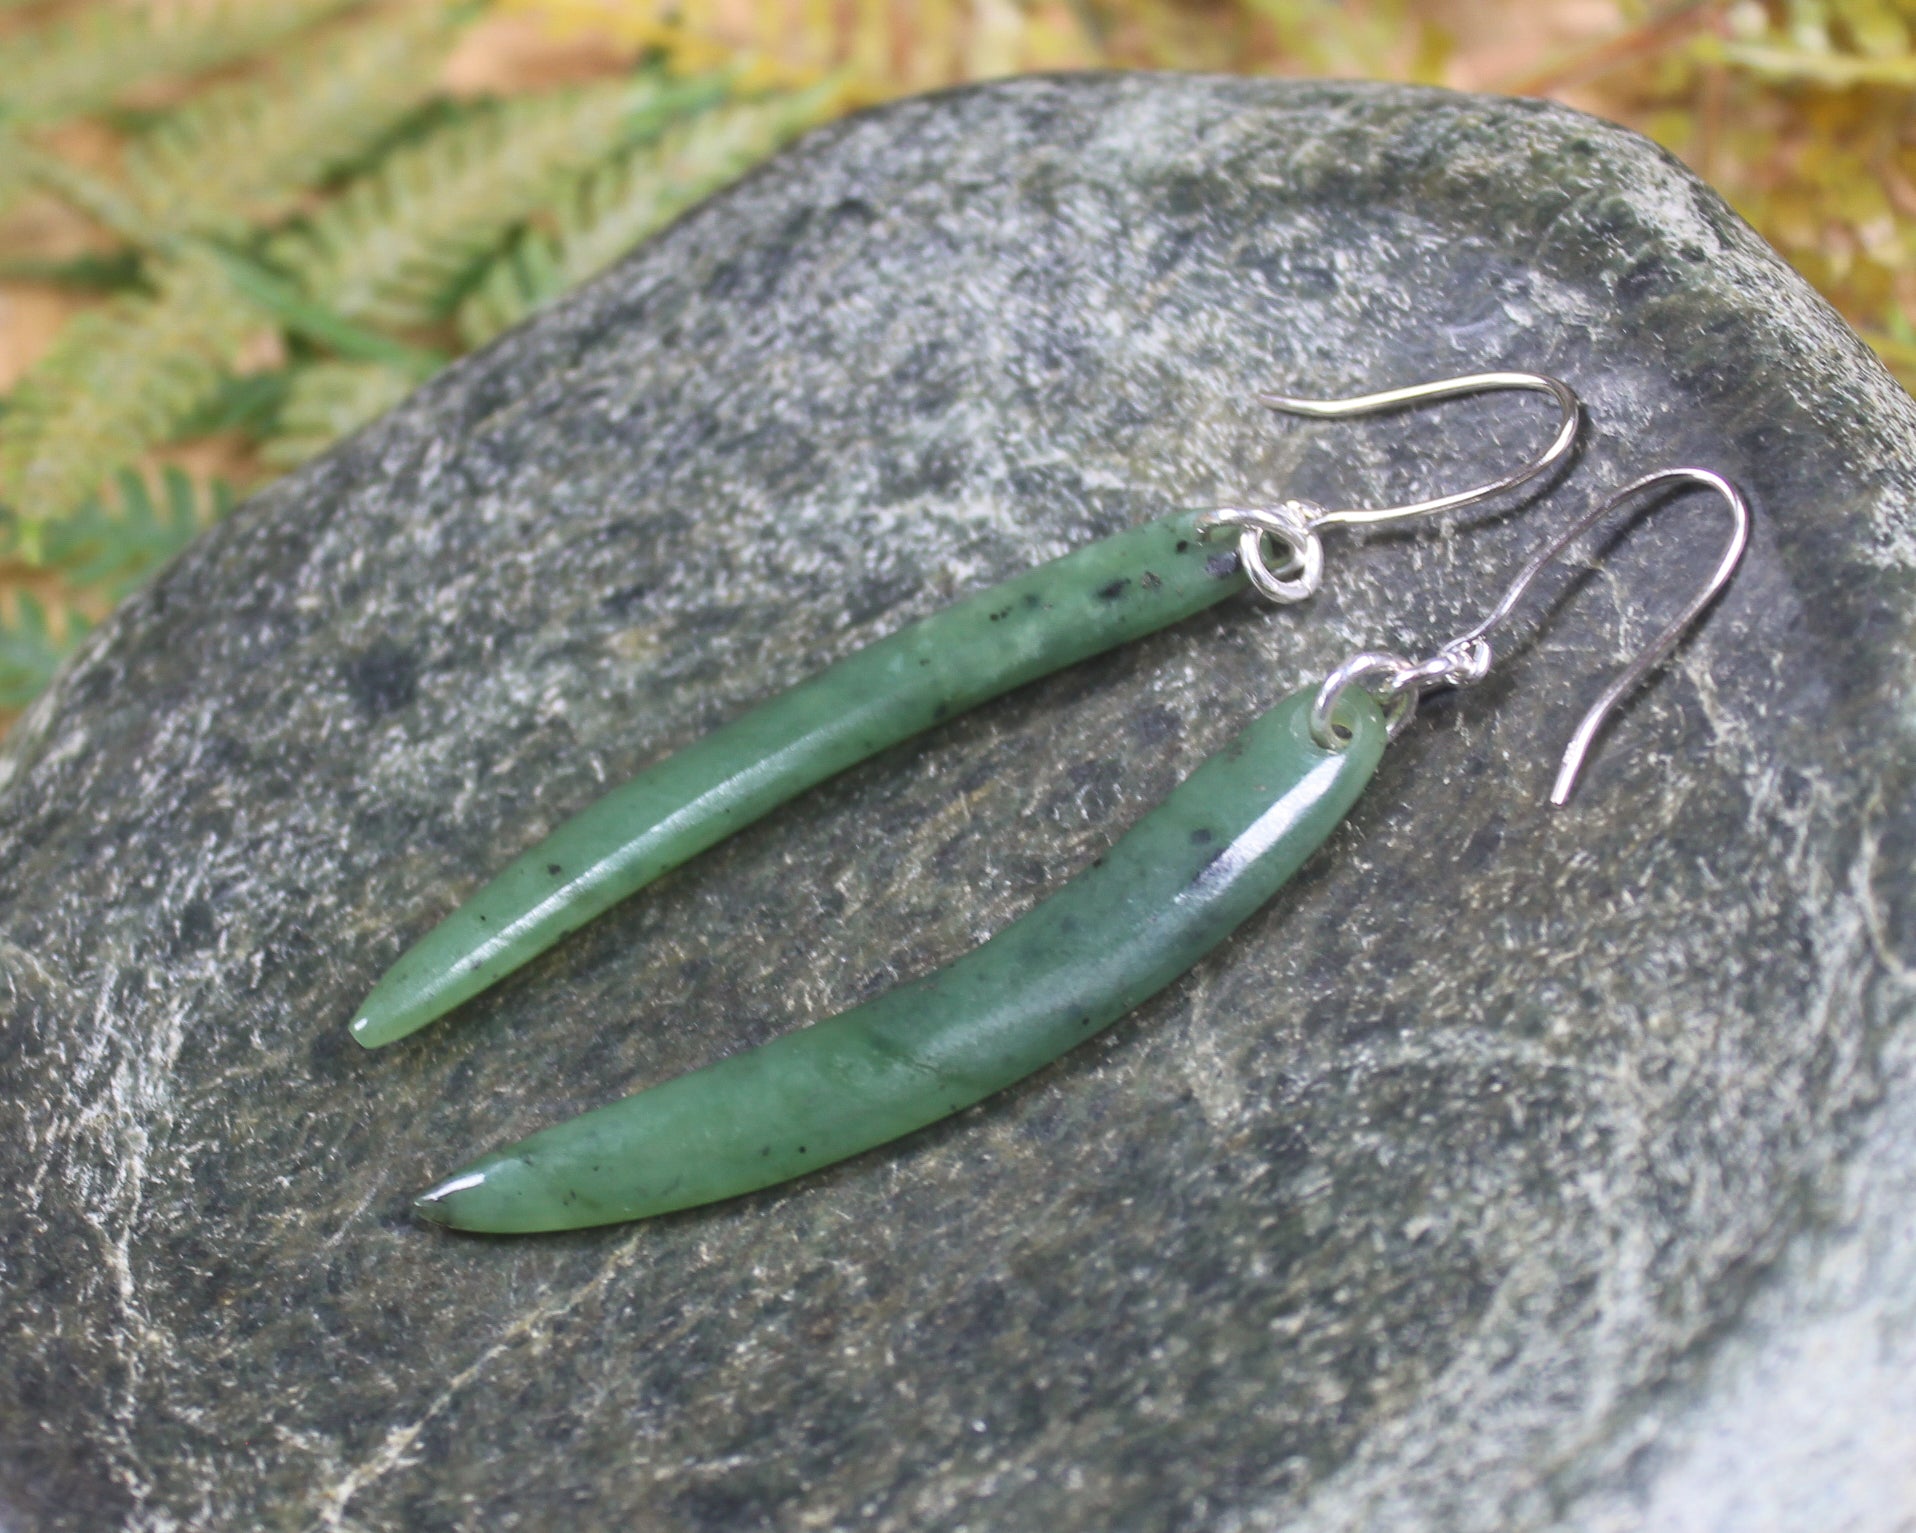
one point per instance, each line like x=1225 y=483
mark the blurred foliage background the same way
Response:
x=232 y=231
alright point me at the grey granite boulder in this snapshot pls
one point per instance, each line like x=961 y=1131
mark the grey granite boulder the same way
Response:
x=1515 y=1169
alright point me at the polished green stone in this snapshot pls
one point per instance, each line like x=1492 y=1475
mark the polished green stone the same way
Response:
x=1091 y=599
x=1174 y=887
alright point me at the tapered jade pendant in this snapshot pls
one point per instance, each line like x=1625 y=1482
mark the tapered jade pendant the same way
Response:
x=1088 y=601
x=1169 y=891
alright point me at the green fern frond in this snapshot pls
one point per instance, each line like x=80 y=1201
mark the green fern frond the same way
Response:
x=248 y=403
x=113 y=541
x=104 y=202
x=620 y=203
x=14 y=179
x=91 y=272
x=73 y=66
x=290 y=307
x=30 y=650
x=398 y=246
x=103 y=551
x=271 y=293
x=329 y=400
x=241 y=153
x=119 y=379
x=886 y=47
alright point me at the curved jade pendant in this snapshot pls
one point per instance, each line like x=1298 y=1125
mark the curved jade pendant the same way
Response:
x=1171 y=889
x=1080 y=605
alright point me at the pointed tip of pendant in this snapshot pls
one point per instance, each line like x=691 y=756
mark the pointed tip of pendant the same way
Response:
x=499 y=1195
x=440 y=1204
x=378 y=1023
x=402 y=1003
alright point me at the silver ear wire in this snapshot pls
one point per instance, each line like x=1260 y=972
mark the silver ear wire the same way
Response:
x=1467 y=657
x=1292 y=525
x=1568 y=409
x=1658 y=649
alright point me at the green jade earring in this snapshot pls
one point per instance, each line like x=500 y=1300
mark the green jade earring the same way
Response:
x=1089 y=601
x=1171 y=889
x=1076 y=606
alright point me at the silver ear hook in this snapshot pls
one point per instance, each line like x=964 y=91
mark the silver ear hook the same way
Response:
x=1467 y=658
x=1293 y=524
x=1421 y=393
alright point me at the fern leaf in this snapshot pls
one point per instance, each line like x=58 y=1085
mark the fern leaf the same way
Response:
x=29 y=650
x=91 y=195
x=70 y=67
x=91 y=271
x=329 y=400
x=290 y=307
x=14 y=178
x=397 y=247
x=1822 y=67
x=620 y=203
x=268 y=291
x=247 y=403
x=240 y=153
x=118 y=379
x=887 y=46
x=113 y=541
x=103 y=551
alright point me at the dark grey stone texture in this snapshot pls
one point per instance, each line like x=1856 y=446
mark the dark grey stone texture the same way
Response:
x=1515 y=1169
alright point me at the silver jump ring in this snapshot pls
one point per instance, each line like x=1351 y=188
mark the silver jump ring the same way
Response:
x=1290 y=526
x=1402 y=688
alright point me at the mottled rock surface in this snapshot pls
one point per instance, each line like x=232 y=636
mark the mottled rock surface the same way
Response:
x=1515 y=1169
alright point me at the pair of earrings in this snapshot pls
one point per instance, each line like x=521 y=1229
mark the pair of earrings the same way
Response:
x=1170 y=890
